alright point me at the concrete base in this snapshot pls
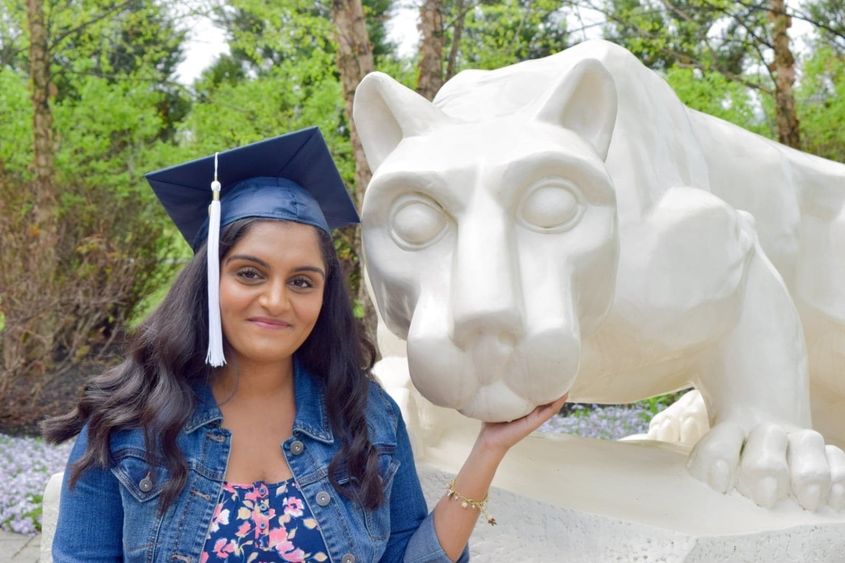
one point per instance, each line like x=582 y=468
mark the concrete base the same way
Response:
x=562 y=498
x=530 y=530
x=50 y=515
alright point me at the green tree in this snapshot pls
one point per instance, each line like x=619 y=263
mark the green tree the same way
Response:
x=111 y=113
x=502 y=32
x=821 y=103
x=828 y=18
x=745 y=41
x=714 y=94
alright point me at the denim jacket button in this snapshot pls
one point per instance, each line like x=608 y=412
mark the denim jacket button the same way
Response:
x=296 y=447
x=348 y=558
x=323 y=498
x=146 y=484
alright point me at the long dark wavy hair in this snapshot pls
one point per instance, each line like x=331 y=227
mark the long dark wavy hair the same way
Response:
x=151 y=388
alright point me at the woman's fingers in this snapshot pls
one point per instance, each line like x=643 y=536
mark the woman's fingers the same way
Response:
x=544 y=412
x=551 y=409
x=506 y=434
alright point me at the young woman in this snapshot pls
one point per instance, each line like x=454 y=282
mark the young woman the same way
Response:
x=288 y=451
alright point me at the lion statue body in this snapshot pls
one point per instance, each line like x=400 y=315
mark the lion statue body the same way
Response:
x=567 y=224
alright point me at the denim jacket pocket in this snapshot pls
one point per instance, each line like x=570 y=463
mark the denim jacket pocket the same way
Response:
x=143 y=481
x=378 y=519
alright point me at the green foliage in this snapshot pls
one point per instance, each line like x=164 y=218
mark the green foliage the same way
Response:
x=829 y=16
x=16 y=123
x=109 y=138
x=113 y=114
x=13 y=41
x=132 y=40
x=262 y=35
x=714 y=94
x=821 y=104
x=654 y=405
x=403 y=71
x=293 y=95
x=502 y=32
x=376 y=14
x=283 y=55
x=709 y=34
x=37 y=503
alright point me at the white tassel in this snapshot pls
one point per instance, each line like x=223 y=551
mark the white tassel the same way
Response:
x=215 y=356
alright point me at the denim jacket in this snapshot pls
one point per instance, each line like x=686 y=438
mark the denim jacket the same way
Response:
x=112 y=513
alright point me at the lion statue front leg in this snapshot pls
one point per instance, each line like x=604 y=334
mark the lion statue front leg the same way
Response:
x=728 y=309
x=755 y=386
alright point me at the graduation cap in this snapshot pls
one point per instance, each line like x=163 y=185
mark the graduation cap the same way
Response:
x=288 y=178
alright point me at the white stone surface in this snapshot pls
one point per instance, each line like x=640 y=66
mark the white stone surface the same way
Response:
x=566 y=224
x=539 y=530
x=50 y=515
x=683 y=422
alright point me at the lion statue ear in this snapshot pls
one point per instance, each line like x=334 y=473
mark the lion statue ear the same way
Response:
x=385 y=112
x=584 y=101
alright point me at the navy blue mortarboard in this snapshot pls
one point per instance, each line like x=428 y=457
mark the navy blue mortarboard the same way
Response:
x=289 y=178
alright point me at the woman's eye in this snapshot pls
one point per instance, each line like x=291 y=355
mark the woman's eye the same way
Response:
x=302 y=283
x=416 y=221
x=551 y=206
x=249 y=274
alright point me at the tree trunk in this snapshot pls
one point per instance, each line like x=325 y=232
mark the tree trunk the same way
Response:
x=354 y=61
x=430 y=76
x=784 y=70
x=42 y=123
x=29 y=332
x=457 y=31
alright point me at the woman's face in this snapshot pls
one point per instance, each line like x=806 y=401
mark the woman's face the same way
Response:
x=271 y=291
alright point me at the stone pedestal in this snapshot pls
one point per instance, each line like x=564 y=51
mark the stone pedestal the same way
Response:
x=561 y=498
x=50 y=515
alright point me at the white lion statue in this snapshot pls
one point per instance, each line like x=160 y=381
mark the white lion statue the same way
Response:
x=567 y=224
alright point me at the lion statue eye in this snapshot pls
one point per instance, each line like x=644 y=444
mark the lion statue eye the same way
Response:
x=417 y=221
x=552 y=206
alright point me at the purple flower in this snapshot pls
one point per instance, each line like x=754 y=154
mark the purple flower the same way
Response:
x=26 y=465
x=606 y=422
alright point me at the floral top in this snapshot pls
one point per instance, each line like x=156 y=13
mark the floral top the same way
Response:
x=263 y=523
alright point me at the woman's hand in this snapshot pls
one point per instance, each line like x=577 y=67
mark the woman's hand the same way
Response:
x=501 y=436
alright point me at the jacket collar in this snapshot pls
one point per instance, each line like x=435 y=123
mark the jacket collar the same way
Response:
x=310 y=419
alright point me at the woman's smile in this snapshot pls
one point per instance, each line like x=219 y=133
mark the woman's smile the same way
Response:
x=268 y=323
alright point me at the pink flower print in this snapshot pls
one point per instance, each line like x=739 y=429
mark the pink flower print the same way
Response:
x=243 y=530
x=228 y=488
x=257 y=493
x=297 y=556
x=204 y=557
x=222 y=549
x=219 y=517
x=293 y=506
x=279 y=540
x=262 y=522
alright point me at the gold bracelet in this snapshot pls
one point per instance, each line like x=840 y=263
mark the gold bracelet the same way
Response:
x=479 y=505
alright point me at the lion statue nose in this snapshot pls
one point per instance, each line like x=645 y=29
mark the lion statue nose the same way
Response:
x=491 y=351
